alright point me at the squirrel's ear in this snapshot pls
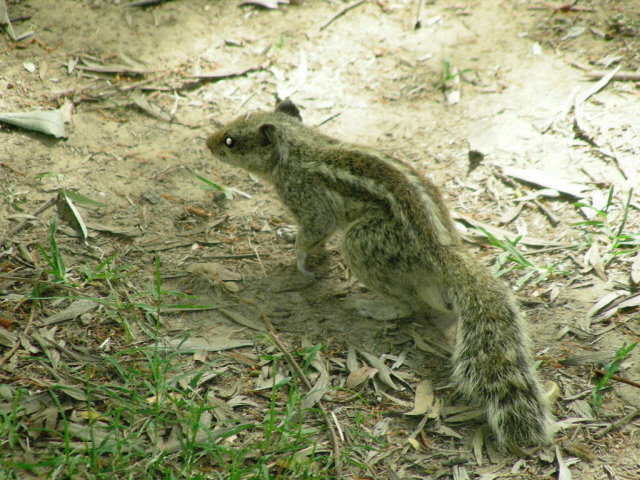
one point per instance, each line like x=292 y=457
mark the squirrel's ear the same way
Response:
x=268 y=131
x=288 y=107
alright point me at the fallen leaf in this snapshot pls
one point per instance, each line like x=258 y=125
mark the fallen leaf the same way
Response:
x=359 y=376
x=594 y=260
x=635 y=269
x=197 y=344
x=74 y=310
x=384 y=371
x=563 y=471
x=111 y=68
x=546 y=180
x=50 y=122
x=145 y=105
x=424 y=398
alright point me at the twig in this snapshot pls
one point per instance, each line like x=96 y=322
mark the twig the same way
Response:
x=23 y=225
x=341 y=12
x=578 y=123
x=417 y=24
x=619 y=379
x=617 y=424
x=552 y=218
x=622 y=76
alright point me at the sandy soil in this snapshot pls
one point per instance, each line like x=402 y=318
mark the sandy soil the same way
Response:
x=369 y=77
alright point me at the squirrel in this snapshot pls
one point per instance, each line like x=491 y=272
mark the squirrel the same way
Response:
x=399 y=241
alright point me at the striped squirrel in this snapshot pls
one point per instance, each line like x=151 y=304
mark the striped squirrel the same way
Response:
x=399 y=240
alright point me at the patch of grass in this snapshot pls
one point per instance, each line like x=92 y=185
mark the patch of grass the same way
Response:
x=13 y=198
x=58 y=269
x=447 y=74
x=609 y=228
x=610 y=369
x=511 y=259
x=209 y=185
x=149 y=410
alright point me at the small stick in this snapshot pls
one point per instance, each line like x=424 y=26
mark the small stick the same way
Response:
x=552 y=218
x=621 y=76
x=617 y=424
x=619 y=379
x=418 y=23
x=341 y=12
x=23 y=225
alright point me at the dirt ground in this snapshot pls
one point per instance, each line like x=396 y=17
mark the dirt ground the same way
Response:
x=515 y=71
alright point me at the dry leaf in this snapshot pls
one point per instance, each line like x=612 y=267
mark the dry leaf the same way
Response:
x=424 y=398
x=111 y=68
x=7 y=338
x=594 y=260
x=630 y=302
x=425 y=347
x=383 y=370
x=196 y=344
x=563 y=471
x=414 y=443
x=74 y=310
x=50 y=122
x=546 y=180
x=635 y=269
x=359 y=376
x=200 y=356
x=145 y=105
x=242 y=320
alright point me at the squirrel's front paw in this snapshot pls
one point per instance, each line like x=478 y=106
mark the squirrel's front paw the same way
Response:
x=288 y=233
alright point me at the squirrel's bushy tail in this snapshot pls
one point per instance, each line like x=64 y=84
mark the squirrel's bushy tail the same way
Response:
x=492 y=363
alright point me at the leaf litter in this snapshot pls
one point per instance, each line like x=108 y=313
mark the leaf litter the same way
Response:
x=119 y=334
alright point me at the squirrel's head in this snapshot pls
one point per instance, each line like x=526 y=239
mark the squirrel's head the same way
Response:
x=252 y=142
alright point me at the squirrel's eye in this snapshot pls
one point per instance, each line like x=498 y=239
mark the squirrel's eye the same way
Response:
x=229 y=142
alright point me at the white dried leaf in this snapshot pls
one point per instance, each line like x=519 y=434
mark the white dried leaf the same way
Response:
x=50 y=122
x=546 y=180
